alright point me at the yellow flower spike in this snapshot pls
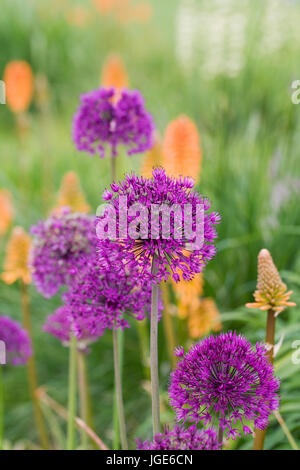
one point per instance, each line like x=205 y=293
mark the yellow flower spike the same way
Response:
x=71 y=195
x=16 y=257
x=271 y=293
x=114 y=73
x=6 y=211
x=188 y=294
x=181 y=150
x=204 y=319
x=18 y=79
x=153 y=157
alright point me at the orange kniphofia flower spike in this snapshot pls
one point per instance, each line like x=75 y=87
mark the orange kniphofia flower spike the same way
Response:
x=18 y=79
x=188 y=294
x=114 y=73
x=271 y=293
x=204 y=319
x=71 y=195
x=181 y=148
x=16 y=257
x=6 y=211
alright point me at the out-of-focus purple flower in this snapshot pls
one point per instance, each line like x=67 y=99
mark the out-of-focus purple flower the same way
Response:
x=166 y=240
x=102 y=122
x=60 y=325
x=182 y=439
x=61 y=244
x=16 y=340
x=225 y=380
x=102 y=295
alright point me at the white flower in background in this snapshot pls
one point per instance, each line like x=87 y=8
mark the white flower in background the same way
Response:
x=216 y=34
x=186 y=29
x=274 y=26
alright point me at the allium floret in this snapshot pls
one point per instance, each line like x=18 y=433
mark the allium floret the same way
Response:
x=180 y=438
x=105 y=295
x=155 y=240
x=61 y=244
x=60 y=325
x=16 y=341
x=224 y=380
x=102 y=122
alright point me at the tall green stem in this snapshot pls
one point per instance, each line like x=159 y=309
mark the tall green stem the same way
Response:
x=72 y=394
x=31 y=370
x=1 y=408
x=260 y=434
x=119 y=393
x=154 y=356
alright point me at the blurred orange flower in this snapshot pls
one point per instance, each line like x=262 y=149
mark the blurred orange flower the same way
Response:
x=124 y=11
x=6 y=210
x=114 y=73
x=105 y=6
x=16 y=257
x=204 y=319
x=181 y=150
x=188 y=294
x=78 y=16
x=71 y=195
x=271 y=293
x=18 y=79
x=141 y=13
x=152 y=158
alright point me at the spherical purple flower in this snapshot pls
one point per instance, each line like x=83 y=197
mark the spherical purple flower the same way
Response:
x=61 y=244
x=182 y=439
x=16 y=341
x=60 y=324
x=160 y=219
x=101 y=122
x=225 y=380
x=103 y=295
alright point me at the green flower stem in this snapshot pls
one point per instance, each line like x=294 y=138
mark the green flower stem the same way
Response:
x=72 y=393
x=118 y=391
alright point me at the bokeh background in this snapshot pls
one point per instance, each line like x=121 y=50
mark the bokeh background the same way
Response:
x=227 y=64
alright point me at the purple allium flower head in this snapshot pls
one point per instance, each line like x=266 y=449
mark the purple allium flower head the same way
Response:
x=17 y=342
x=60 y=325
x=225 y=379
x=102 y=122
x=61 y=244
x=101 y=296
x=154 y=239
x=182 y=439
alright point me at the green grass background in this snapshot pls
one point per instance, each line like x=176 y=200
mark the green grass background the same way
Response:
x=246 y=123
